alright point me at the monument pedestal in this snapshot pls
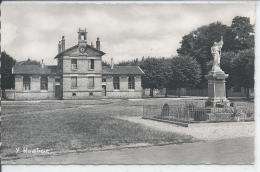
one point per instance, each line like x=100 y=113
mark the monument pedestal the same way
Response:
x=217 y=89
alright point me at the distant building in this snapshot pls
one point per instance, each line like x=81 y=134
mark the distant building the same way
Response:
x=78 y=75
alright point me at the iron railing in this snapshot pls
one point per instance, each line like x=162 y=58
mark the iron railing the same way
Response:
x=196 y=112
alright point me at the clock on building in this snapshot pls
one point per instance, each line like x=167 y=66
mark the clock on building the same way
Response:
x=82 y=49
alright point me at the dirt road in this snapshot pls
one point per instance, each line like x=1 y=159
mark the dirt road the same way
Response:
x=228 y=151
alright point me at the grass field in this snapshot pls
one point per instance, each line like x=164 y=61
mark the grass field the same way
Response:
x=65 y=126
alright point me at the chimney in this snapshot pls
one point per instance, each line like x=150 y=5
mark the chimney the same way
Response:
x=63 y=44
x=98 y=43
x=42 y=64
x=112 y=63
x=59 y=47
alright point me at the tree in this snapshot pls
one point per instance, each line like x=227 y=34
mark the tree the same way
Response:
x=197 y=44
x=242 y=73
x=183 y=72
x=242 y=33
x=104 y=63
x=7 y=78
x=154 y=73
x=226 y=64
x=134 y=62
x=30 y=62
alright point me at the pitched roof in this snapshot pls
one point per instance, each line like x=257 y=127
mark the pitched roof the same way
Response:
x=76 y=46
x=122 y=70
x=34 y=69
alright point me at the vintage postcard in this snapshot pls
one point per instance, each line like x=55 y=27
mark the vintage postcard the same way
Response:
x=155 y=83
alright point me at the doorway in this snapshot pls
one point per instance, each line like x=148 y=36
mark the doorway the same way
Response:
x=104 y=90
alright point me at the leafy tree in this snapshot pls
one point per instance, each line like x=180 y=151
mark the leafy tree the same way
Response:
x=105 y=64
x=242 y=73
x=226 y=64
x=183 y=72
x=134 y=62
x=7 y=78
x=242 y=33
x=197 y=44
x=30 y=62
x=154 y=73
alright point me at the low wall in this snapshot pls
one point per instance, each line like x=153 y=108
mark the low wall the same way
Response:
x=33 y=95
x=9 y=94
x=81 y=94
x=124 y=94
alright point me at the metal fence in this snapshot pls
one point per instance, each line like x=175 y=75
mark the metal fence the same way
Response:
x=195 y=92
x=197 y=112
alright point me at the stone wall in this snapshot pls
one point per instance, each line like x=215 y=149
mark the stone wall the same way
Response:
x=35 y=93
x=82 y=73
x=123 y=92
x=82 y=65
x=81 y=94
x=82 y=91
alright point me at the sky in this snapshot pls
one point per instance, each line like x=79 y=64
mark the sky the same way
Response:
x=126 y=31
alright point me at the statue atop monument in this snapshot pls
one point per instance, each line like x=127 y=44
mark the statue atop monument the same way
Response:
x=216 y=53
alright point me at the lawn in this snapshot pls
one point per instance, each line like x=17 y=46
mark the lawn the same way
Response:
x=68 y=127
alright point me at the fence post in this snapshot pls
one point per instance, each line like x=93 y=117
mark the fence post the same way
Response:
x=143 y=110
x=187 y=116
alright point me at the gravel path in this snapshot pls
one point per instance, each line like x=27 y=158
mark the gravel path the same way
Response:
x=203 y=131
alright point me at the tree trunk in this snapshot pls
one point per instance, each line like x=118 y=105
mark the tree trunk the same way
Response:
x=151 y=92
x=179 y=92
x=3 y=94
x=247 y=93
x=166 y=94
x=226 y=92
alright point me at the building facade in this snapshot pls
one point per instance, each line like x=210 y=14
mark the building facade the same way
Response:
x=79 y=74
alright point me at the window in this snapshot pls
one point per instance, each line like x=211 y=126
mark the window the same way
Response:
x=26 y=83
x=73 y=82
x=82 y=37
x=91 y=64
x=44 y=83
x=91 y=82
x=104 y=80
x=74 y=64
x=116 y=83
x=237 y=89
x=131 y=82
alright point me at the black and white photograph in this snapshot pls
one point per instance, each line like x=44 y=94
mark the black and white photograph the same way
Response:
x=136 y=83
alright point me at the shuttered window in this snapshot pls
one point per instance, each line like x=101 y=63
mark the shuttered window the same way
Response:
x=44 y=83
x=131 y=82
x=26 y=83
x=91 y=64
x=74 y=83
x=91 y=82
x=74 y=64
x=116 y=83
